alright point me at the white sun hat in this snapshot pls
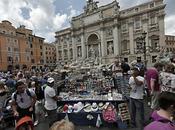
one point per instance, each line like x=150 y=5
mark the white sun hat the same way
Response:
x=77 y=107
x=94 y=107
x=87 y=107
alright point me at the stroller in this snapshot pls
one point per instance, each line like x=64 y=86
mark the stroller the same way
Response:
x=8 y=118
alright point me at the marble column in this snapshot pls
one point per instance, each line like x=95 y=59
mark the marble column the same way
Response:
x=87 y=51
x=102 y=42
x=68 y=51
x=145 y=28
x=161 y=27
x=62 y=53
x=131 y=37
x=57 y=54
x=74 y=48
x=83 y=48
x=116 y=40
x=99 y=50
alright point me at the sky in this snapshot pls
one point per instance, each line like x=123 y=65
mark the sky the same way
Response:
x=45 y=17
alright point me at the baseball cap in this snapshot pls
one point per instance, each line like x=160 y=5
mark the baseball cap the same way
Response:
x=50 y=80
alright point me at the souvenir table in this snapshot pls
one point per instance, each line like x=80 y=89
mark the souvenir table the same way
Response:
x=90 y=118
x=91 y=92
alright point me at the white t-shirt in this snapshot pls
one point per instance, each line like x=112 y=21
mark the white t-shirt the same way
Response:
x=136 y=90
x=23 y=100
x=50 y=103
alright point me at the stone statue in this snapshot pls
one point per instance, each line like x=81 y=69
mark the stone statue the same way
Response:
x=116 y=8
x=89 y=1
x=91 y=6
x=91 y=52
x=110 y=49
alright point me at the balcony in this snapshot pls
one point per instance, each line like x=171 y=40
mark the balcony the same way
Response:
x=125 y=52
x=138 y=30
x=154 y=26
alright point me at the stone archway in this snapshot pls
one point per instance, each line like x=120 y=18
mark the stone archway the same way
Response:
x=93 y=46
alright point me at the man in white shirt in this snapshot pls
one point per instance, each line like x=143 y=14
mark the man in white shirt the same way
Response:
x=23 y=101
x=51 y=101
x=136 y=83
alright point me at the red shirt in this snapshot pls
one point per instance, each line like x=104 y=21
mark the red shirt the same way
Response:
x=152 y=73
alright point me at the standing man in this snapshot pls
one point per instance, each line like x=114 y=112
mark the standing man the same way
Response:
x=51 y=101
x=136 y=83
x=116 y=67
x=23 y=101
x=152 y=79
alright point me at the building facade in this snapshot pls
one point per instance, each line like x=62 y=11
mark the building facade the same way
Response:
x=49 y=54
x=170 y=43
x=19 y=48
x=106 y=33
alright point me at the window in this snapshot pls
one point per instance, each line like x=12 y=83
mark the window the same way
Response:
x=154 y=41
x=16 y=49
x=126 y=59
x=41 y=47
x=32 y=53
x=60 y=54
x=151 y=5
x=9 y=58
x=65 y=53
x=9 y=49
x=28 y=59
x=41 y=53
x=79 y=54
x=124 y=27
x=139 y=45
x=154 y=59
x=152 y=20
x=167 y=49
x=124 y=45
x=136 y=9
x=31 y=46
x=137 y=23
x=139 y=59
x=16 y=59
x=33 y=61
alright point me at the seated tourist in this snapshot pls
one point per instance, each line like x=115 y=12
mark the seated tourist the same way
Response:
x=62 y=125
x=162 y=119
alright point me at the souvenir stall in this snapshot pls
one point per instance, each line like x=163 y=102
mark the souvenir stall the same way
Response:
x=93 y=100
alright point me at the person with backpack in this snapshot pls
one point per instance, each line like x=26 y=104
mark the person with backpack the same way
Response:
x=163 y=118
x=23 y=101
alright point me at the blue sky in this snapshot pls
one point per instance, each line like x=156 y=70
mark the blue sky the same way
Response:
x=45 y=17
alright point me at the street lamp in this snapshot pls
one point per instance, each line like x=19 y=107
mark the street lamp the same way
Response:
x=144 y=47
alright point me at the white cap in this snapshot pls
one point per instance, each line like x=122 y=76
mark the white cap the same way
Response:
x=50 y=80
